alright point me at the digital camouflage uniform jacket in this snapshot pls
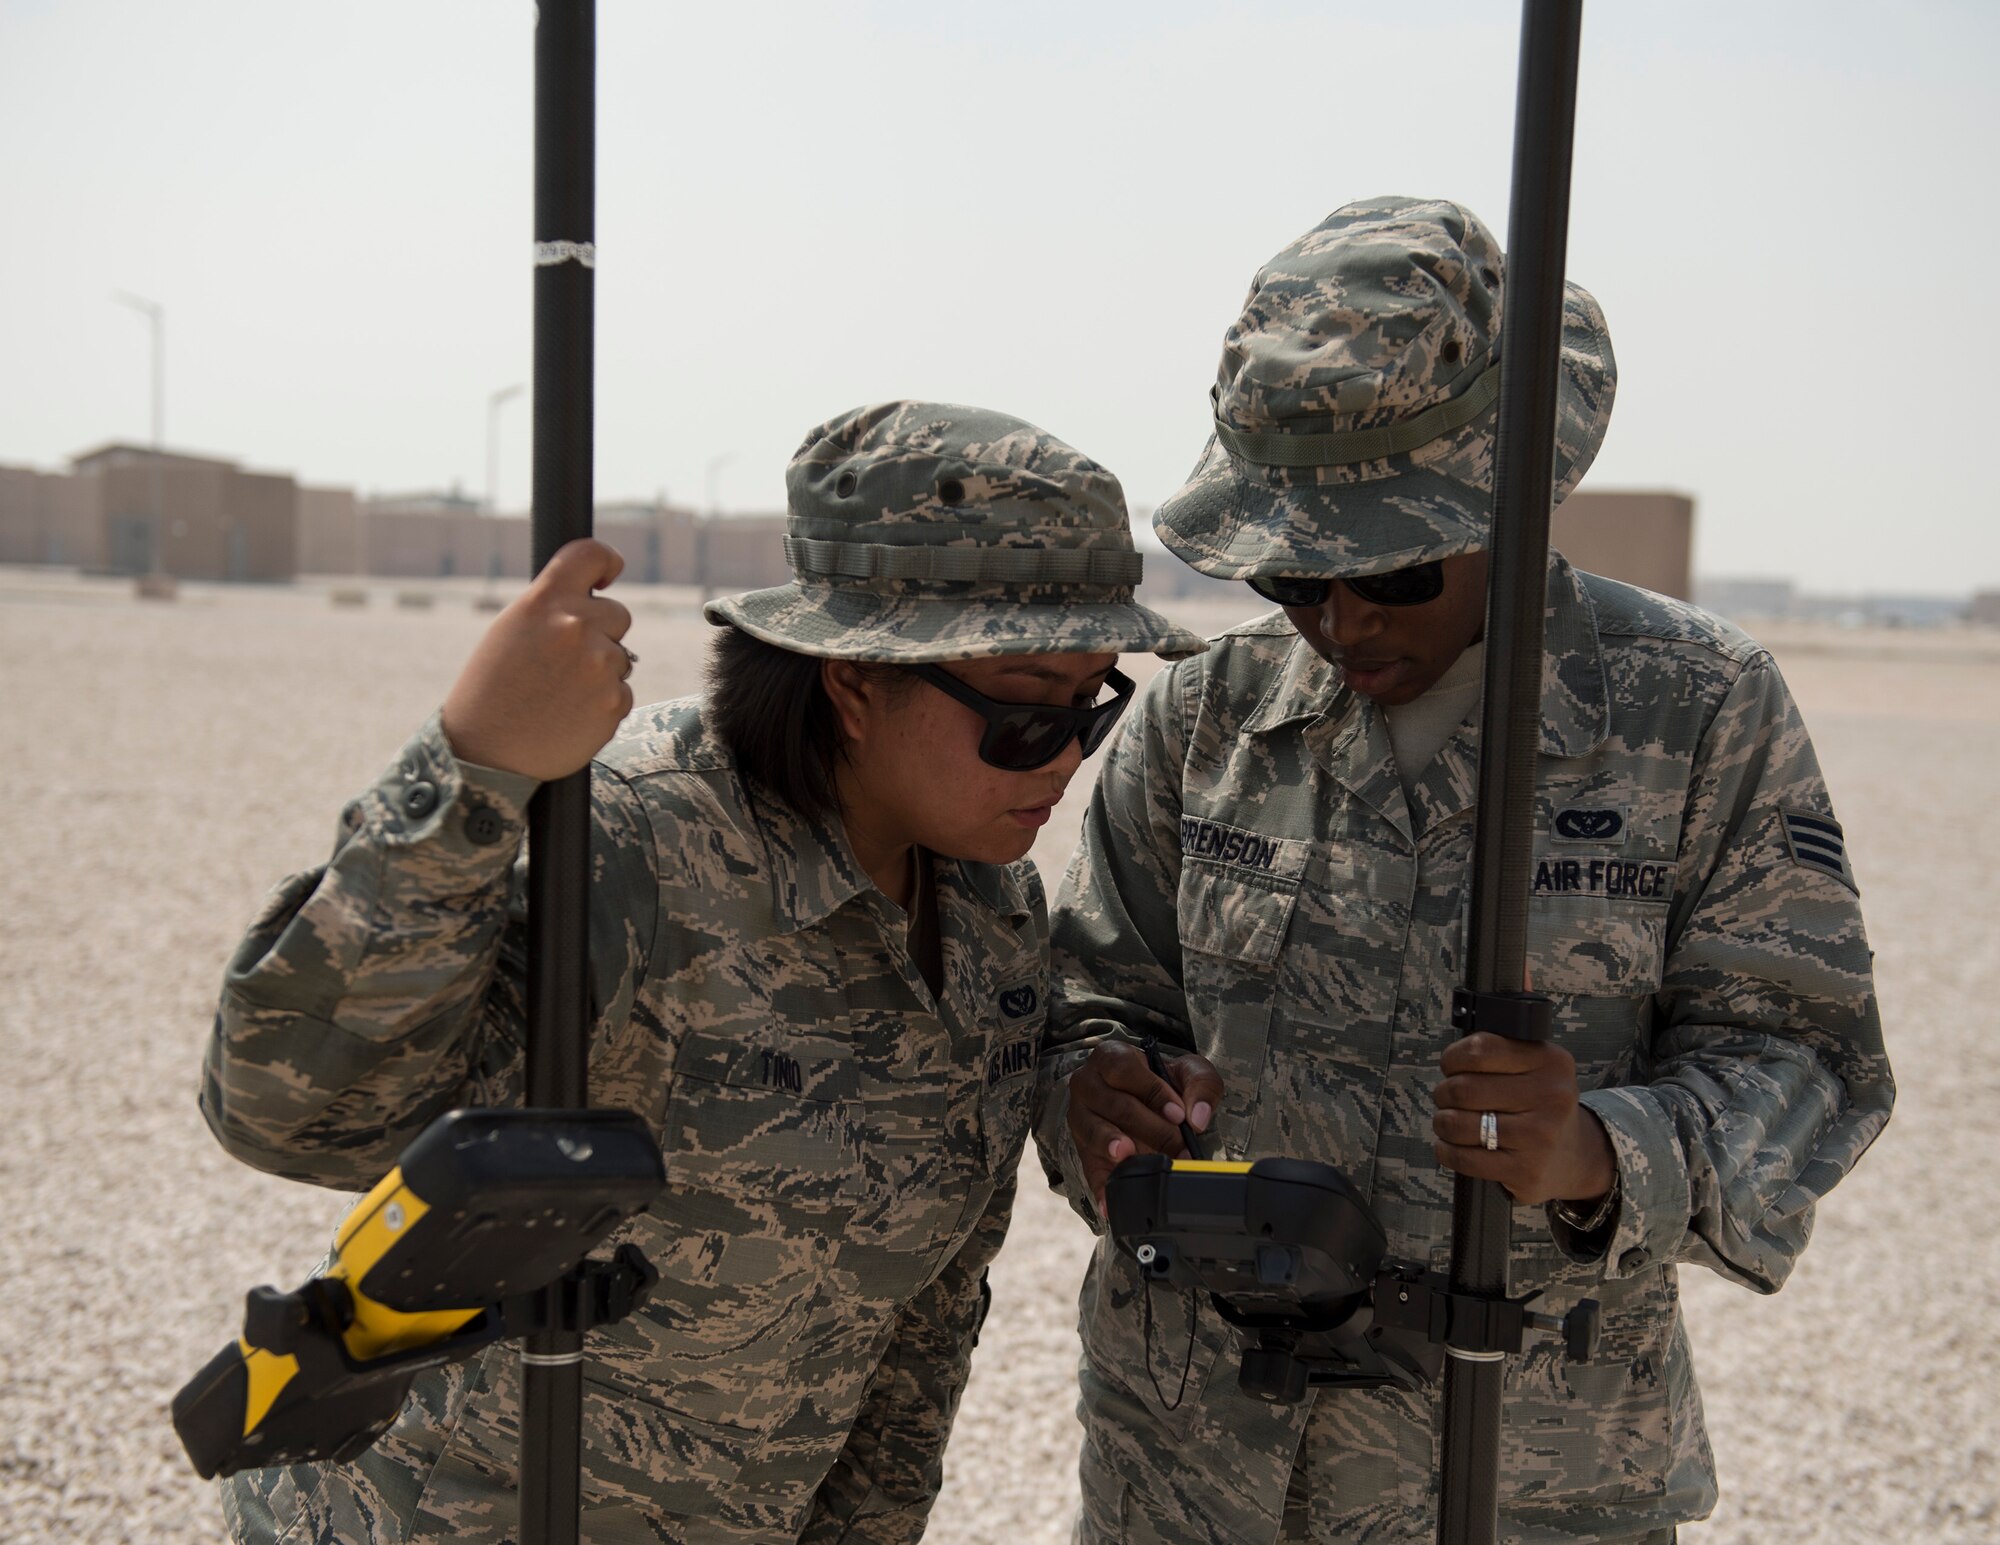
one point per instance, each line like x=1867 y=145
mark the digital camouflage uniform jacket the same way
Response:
x=840 y=1151
x=1252 y=882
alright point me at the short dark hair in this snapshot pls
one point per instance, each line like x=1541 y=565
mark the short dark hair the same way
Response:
x=771 y=709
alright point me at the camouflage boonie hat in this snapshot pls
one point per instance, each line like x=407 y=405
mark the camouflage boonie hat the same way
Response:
x=925 y=531
x=1355 y=404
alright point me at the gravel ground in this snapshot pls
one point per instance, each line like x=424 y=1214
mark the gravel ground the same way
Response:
x=162 y=764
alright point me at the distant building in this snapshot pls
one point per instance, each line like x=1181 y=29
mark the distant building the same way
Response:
x=122 y=507
x=1983 y=611
x=193 y=517
x=1747 y=600
x=1881 y=611
x=657 y=541
x=438 y=536
x=741 y=552
x=50 y=517
x=1750 y=601
x=1643 y=537
x=329 y=531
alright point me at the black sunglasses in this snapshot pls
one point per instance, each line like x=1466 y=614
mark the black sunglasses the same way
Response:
x=1023 y=736
x=1399 y=587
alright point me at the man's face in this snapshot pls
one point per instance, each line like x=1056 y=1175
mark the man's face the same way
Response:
x=1395 y=654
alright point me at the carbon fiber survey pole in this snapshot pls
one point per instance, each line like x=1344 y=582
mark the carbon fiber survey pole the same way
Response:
x=559 y=816
x=1511 y=721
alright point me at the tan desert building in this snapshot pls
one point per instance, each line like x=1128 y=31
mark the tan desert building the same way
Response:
x=1643 y=537
x=329 y=531
x=133 y=510
x=435 y=536
x=49 y=517
x=191 y=517
x=218 y=521
x=128 y=509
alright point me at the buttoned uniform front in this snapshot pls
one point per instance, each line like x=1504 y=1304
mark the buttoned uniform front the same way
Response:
x=840 y=1143
x=1253 y=883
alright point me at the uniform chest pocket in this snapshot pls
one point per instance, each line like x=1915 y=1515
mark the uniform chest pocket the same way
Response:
x=1596 y=947
x=1601 y=961
x=770 y=1122
x=1233 y=915
x=1231 y=925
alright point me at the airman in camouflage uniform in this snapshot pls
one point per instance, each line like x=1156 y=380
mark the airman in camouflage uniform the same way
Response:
x=1260 y=884
x=840 y=1133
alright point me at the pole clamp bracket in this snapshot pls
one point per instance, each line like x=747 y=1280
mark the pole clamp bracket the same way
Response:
x=1408 y=1298
x=595 y=1293
x=1520 y=1016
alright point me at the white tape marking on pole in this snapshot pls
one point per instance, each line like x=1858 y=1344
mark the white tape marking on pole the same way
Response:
x=550 y=253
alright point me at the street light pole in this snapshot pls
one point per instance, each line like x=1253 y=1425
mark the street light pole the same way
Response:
x=493 y=444
x=710 y=511
x=156 y=314
x=493 y=403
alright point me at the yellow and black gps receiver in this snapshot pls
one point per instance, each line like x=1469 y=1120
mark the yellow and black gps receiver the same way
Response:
x=1290 y=1254
x=445 y=1255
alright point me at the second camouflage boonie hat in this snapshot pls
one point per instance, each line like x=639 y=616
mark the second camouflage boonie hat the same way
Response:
x=926 y=531
x=1355 y=404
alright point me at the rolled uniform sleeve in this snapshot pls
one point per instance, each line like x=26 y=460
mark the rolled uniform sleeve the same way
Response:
x=374 y=993
x=1766 y=1077
x=890 y=1469
x=1116 y=938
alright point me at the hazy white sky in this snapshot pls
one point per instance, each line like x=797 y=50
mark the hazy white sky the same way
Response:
x=1049 y=208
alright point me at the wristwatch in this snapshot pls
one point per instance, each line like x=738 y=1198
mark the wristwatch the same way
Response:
x=1597 y=1217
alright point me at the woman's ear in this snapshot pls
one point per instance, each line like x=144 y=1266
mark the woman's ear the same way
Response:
x=852 y=695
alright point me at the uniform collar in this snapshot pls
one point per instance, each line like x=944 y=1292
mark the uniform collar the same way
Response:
x=1576 y=707
x=814 y=872
x=993 y=886
x=1576 y=696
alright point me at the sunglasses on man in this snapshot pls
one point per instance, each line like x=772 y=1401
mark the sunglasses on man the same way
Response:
x=1023 y=736
x=1399 y=587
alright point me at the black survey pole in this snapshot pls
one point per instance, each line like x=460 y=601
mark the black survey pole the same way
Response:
x=559 y=816
x=1511 y=721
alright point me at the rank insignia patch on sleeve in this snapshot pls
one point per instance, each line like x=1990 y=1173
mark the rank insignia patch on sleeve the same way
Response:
x=1816 y=843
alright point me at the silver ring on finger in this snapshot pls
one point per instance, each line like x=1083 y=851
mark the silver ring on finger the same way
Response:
x=1489 y=1131
x=630 y=660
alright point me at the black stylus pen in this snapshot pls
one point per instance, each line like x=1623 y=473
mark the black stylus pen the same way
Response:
x=1158 y=1064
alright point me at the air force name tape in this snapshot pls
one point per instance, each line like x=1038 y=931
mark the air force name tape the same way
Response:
x=1816 y=843
x=1621 y=879
x=1011 y=1060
